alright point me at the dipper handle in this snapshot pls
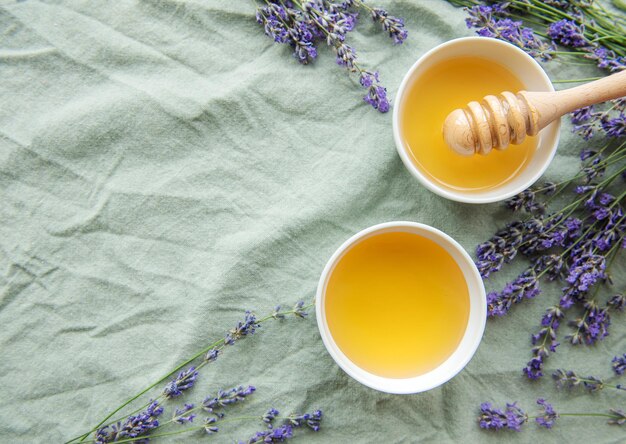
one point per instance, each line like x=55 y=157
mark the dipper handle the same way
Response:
x=507 y=118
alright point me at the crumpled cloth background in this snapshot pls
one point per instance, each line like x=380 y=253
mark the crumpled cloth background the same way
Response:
x=164 y=167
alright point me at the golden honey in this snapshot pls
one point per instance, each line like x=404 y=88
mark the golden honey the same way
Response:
x=432 y=96
x=397 y=304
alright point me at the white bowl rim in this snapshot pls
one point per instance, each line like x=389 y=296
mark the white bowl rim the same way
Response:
x=448 y=193
x=378 y=382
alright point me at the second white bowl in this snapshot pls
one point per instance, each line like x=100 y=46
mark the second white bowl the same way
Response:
x=473 y=332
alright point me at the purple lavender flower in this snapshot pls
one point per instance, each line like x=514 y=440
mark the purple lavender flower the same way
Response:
x=227 y=397
x=272 y=25
x=568 y=33
x=490 y=418
x=606 y=59
x=212 y=355
x=279 y=434
x=299 y=310
x=617 y=302
x=620 y=417
x=515 y=417
x=549 y=416
x=284 y=432
x=611 y=122
x=584 y=273
x=500 y=249
x=277 y=314
x=615 y=127
x=209 y=425
x=533 y=369
x=596 y=168
x=311 y=420
x=542 y=348
x=243 y=328
x=619 y=364
x=301 y=40
x=481 y=16
x=582 y=115
x=551 y=265
x=180 y=417
x=593 y=326
x=525 y=286
x=393 y=25
x=535 y=231
x=184 y=381
x=134 y=426
x=269 y=416
x=526 y=200
x=570 y=379
x=346 y=56
x=376 y=94
x=495 y=419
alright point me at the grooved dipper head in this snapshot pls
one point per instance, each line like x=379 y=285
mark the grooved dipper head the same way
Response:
x=458 y=133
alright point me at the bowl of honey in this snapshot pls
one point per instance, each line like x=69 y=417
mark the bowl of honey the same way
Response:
x=448 y=77
x=401 y=307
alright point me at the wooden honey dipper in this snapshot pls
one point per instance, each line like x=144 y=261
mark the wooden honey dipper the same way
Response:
x=508 y=118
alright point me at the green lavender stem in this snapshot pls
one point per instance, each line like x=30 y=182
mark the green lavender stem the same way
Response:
x=603 y=415
x=588 y=79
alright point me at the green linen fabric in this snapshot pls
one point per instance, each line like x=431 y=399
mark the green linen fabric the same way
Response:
x=165 y=167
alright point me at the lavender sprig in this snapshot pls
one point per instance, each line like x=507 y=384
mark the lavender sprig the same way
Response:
x=182 y=415
x=304 y=23
x=549 y=416
x=225 y=398
x=514 y=418
x=541 y=346
x=393 y=25
x=570 y=379
x=185 y=380
x=619 y=364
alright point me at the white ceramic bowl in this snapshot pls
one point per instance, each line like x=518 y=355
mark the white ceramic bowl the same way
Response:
x=532 y=76
x=473 y=333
